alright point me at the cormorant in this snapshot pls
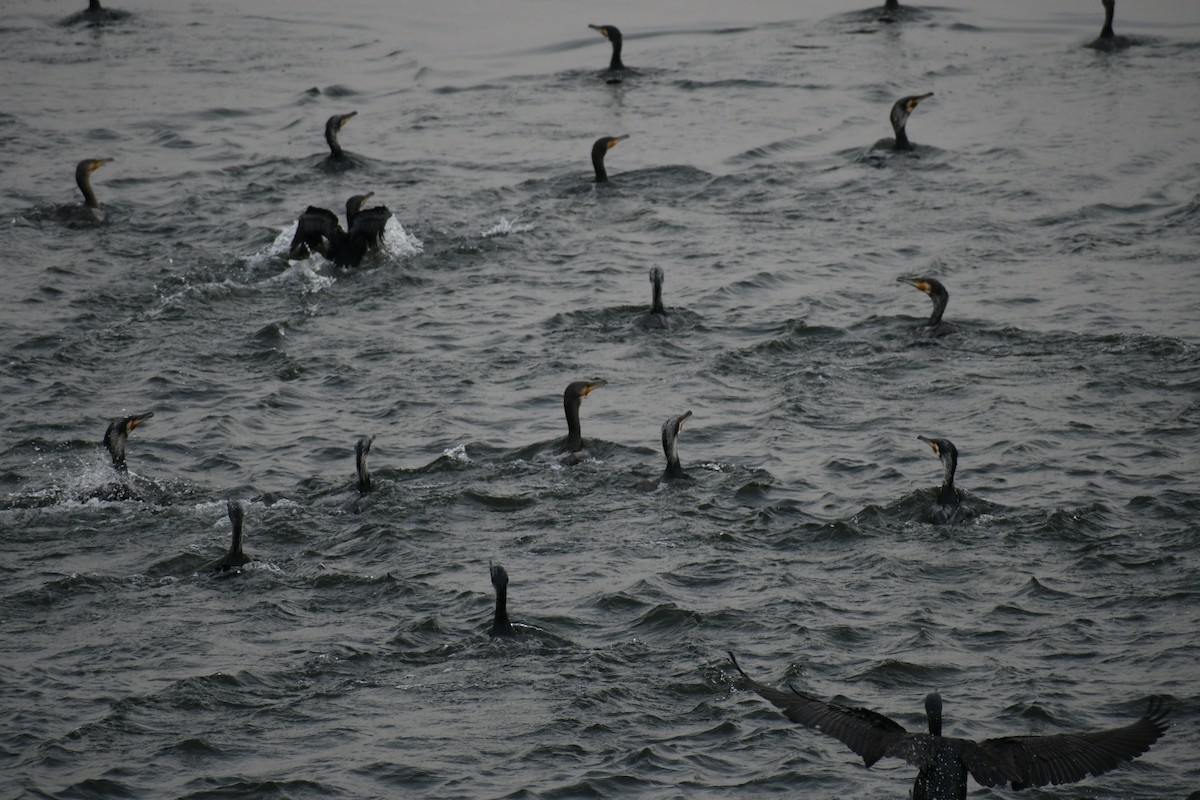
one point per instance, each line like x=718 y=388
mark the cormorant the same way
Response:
x=944 y=762
x=361 y=450
x=1107 y=39
x=572 y=398
x=935 y=327
x=899 y=116
x=235 y=558
x=90 y=211
x=611 y=33
x=500 y=624
x=95 y=14
x=947 y=509
x=118 y=431
x=670 y=435
x=332 y=126
x=602 y=146
x=656 y=317
x=318 y=229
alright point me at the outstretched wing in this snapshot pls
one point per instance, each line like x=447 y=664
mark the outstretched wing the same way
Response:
x=869 y=734
x=1065 y=757
x=314 y=225
x=368 y=226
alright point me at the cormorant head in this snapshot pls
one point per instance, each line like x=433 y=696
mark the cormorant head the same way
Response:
x=355 y=204
x=902 y=108
x=89 y=165
x=933 y=710
x=610 y=32
x=930 y=286
x=581 y=389
x=118 y=431
x=337 y=122
x=499 y=577
x=945 y=450
x=606 y=143
x=656 y=276
x=599 y=149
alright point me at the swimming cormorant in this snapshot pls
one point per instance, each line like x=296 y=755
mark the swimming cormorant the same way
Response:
x=90 y=211
x=116 y=434
x=572 y=398
x=602 y=146
x=1107 y=39
x=899 y=117
x=656 y=317
x=364 y=485
x=611 y=33
x=361 y=450
x=944 y=762
x=332 y=126
x=235 y=558
x=95 y=14
x=947 y=509
x=670 y=437
x=318 y=229
x=935 y=327
x=500 y=624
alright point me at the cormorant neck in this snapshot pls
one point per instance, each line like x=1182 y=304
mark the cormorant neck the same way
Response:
x=364 y=474
x=334 y=146
x=574 y=441
x=674 y=469
x=939 y=307
x=114 y=440
x=616 y=56
x=656 y=306
x=948 y=496
x=902 y=142
x=235 y=547
x=500 y=624
x=933 y=711
x=1107 y=31
x=94 y=5
x=84 y=180
x=891 y=5
x=598 y=163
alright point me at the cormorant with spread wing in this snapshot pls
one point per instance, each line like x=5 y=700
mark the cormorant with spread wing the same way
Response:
x=944 y=762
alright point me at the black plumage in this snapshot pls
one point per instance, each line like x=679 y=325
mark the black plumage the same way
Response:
x=117 y=433
x=948 y=509
x=656 y=317
x=944 y=762
x=599 y=148
x=318 y=230
x=500 y=623
x=236 y=558
x=613 y=34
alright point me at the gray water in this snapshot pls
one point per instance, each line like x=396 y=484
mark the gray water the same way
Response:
x=1055 y=191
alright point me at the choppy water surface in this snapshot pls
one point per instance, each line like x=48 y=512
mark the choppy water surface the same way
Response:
x=1055 y=191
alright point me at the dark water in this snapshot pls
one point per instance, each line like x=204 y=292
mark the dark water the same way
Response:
x=1055 y=191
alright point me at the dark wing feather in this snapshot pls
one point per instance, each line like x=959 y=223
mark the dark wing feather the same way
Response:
x=313 y=225
x=869 y=734
x=368 y=226
x=1062 y=758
